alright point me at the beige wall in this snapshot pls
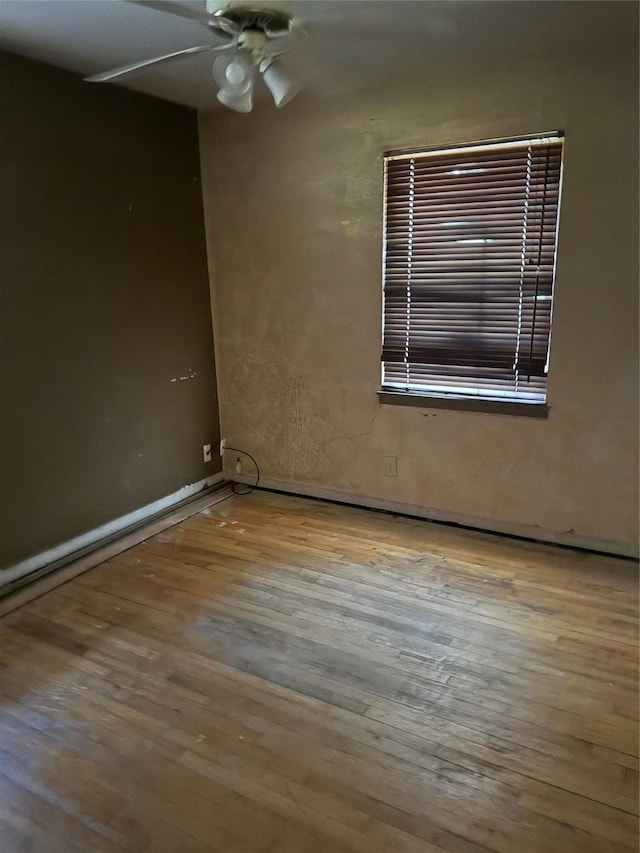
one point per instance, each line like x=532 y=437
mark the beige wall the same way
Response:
x=293 y=202
x=104 y=299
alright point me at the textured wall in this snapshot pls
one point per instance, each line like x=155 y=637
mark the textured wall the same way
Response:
x=104 y=300
x=293 y=202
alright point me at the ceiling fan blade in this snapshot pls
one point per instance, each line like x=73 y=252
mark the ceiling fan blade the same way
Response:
x=216 y=23
x=105 y=76
x=174 y=8
x=369 y=21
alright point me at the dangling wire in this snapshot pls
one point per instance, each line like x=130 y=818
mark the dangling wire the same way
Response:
x=248 y=488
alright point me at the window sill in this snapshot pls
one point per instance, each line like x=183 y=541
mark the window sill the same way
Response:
x=460 y=404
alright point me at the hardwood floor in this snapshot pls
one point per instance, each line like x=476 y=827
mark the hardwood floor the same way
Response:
x=285 y=675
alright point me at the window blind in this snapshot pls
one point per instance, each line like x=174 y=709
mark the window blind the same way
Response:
x=469 y=265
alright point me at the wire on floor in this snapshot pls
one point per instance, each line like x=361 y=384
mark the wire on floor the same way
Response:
x=242 y=488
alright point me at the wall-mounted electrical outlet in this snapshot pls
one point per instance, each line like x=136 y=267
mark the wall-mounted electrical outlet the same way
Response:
x=223 y=444
x=390 y=466
x=238 y=465
x=206 y=452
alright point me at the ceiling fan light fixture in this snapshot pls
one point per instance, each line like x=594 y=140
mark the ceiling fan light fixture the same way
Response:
x=279 y=82
x=234 y=73
x=241 y=103
x=254 y=35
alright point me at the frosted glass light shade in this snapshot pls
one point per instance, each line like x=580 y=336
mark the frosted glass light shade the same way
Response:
x=242 y=103
x=233 y=73
x=279 y=82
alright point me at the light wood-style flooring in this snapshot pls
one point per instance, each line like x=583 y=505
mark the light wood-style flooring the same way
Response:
x=284 y=675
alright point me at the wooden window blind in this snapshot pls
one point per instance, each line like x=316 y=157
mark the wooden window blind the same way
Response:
x=469 y=264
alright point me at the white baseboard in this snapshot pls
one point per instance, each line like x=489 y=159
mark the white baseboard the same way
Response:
x=86 y=540
x=491 y=525
x=109 y=548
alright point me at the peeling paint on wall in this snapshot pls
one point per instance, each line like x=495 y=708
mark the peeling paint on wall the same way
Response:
x=190 y=375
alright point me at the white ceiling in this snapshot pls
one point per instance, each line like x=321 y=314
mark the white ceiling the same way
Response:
x=348 y=44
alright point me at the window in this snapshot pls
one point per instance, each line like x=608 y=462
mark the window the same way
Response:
x=469 y=264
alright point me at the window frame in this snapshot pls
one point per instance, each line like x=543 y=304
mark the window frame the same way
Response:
x=476 y=400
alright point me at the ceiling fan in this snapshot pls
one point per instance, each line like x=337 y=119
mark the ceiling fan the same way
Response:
x=255 y=38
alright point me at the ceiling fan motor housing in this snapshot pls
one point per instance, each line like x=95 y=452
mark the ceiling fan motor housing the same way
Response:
x=236 y=20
